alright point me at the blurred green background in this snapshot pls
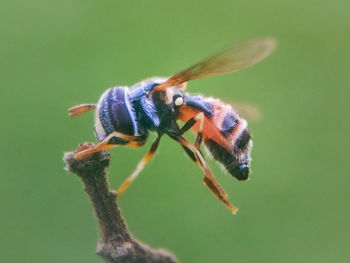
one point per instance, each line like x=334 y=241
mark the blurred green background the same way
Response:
x=56 y=54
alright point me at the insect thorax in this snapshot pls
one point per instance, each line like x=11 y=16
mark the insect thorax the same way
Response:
x=155 y=108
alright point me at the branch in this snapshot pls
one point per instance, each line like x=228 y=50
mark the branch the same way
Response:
x=116 y=244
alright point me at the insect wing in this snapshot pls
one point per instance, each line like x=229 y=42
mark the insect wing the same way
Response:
x=247 y=111
x=231 y=60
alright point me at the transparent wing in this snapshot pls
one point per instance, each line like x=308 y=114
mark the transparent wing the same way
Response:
x=247 y=111
x=231 y=60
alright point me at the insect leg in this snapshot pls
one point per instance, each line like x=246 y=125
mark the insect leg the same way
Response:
x=209 y=178
x=139 y=167
x=133 y=141
x=190 y=123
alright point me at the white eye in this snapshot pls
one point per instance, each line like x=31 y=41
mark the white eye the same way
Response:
x=179 y=101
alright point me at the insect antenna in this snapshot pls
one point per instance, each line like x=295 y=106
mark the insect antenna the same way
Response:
x=80 y=109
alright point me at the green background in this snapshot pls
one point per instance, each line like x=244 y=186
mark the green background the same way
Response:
x=56 y=54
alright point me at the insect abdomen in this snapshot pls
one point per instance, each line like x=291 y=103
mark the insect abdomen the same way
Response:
x=235 y=155
x=236 y=164
x=225 y=134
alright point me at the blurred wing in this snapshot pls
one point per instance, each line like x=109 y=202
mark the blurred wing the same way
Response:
x=231 y=60
x=247 y=111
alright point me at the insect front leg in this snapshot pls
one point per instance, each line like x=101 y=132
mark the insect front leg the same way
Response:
x=133 y=141
x=139 y=167
x=209 y=178
x=190 y=123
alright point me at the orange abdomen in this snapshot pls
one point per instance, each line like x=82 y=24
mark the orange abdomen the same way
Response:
x=224 y=133
x=224 y=127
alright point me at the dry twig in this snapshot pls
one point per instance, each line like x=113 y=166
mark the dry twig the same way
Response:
x=116 y=244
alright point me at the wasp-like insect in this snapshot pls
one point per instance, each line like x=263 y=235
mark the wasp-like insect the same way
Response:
x=124 y=116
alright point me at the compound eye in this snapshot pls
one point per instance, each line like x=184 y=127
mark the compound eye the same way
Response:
x=179 y=101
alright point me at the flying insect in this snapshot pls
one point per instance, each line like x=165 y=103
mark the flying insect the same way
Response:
x=126 y=115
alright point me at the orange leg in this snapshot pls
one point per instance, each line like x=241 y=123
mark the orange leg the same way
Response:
x=190 y=123
x=139 y=167
x=133 y=141
x=209 y=178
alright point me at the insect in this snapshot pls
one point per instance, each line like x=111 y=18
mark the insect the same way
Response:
x=125 y=116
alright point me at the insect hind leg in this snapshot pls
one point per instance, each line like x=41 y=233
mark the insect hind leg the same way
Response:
x=190 y=123
x=209 y=178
